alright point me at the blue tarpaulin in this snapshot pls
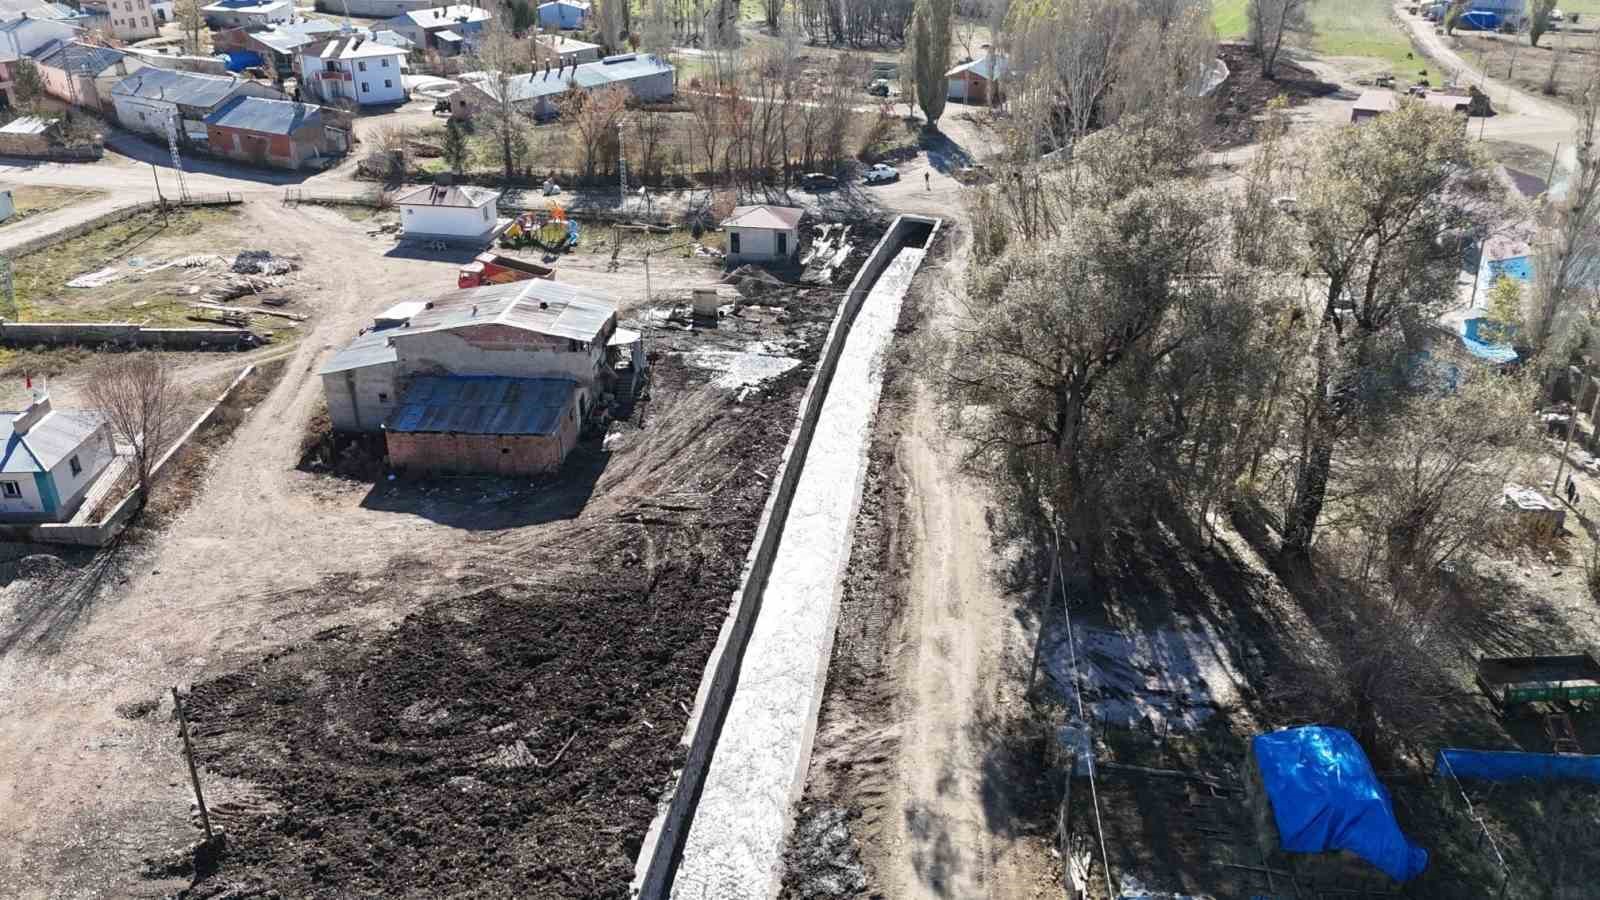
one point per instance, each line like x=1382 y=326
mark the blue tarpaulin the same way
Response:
x=1325 y=796
x=1511 y=765
x=239 y=60
x=1472 y=338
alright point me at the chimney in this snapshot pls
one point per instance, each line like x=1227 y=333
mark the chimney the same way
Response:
x=30 y=417
x=443 y=179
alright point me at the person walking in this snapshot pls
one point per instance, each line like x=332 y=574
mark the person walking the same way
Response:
x=927 y=181
x=1572 y=490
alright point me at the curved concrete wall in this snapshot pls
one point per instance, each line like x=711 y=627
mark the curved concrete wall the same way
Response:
x=659 y=856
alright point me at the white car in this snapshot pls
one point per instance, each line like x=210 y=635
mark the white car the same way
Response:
x=881 y=173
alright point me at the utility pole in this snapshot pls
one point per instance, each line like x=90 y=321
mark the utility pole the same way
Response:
x=622 y=172
x=194 y=774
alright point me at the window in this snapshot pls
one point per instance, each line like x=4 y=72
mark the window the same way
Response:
x=410 y=211
x=77 y=467
x=384 y=62
x=783 y=244
x=11 y=490
x=383 y=397
x=486 y=213
x=365 y=88
x=387 y=83
x=361 y=64
x=145 y=20
x=733 y=243
x=141 y=116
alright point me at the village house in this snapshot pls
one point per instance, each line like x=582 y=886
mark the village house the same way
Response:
x=446 y=30
x=495 y=380
x=23 y=39
x=354 y=68
x=1372 y=104
x=83 y=75
x=568 y=15
x=975 y=82
x=763 y=234
x=448 y=212
x=50 y=459
x=44 y=9
x=133 y=20
x=278 y=45
x=276 y=133
x=246 y=13
x=147 y=99
x=382 y=9
x=649 y=79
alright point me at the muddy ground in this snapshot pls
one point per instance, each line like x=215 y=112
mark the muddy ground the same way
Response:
x=1240 y=101
x=513 y=738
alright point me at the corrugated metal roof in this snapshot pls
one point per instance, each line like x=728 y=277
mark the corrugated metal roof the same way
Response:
x=51 y=439
x=25 y=125
x=286 y=38
x=464 y=196
x=544 y=307
x=588 y=76
x=989 y=68
x=81 y=58
x=266 y=116
x=572 y=3
x=243 y=6
x=470 y=405
x=445 y=16
x=358 y=46
x=370 y=349
x=775 y=217
x=1381 y=101
x=187 y=88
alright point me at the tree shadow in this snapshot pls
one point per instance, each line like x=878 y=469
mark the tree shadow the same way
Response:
x=143 y=150
x=64 y=587
x=934 y=855
x=944 y=154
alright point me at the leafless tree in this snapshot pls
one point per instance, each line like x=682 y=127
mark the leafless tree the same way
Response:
x=139 y=398
x=193 y=22
x=594 y=116
x=1567 y=253
x=501 y=57
x=1271 y=21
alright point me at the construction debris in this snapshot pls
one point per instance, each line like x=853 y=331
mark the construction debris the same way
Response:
x=751 y=280
x=296 y=317
x=262 y=262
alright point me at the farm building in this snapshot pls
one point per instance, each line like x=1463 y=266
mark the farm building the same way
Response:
x=245 y=13
x=29 y=136
x=560 y=50
x=147 y=99
x=648 y=78
x=49 y=461
x=763 y=234
x=567 y=15
x=276 y=133
x=448 y=212
x=474 y=425
x=535 y=329
x=1372 y=104
x=83 y=75
x=354 y=68
x=448 y=30
x=975 y=81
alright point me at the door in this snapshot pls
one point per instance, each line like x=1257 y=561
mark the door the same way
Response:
x=783 y=244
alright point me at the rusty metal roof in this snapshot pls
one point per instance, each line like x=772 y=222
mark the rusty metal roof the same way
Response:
x=459 y=404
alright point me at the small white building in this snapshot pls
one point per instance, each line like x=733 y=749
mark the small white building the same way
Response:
x=245 y=13
x=49 y=460
x=448 y=212
x=763 y=234
x=354 y=68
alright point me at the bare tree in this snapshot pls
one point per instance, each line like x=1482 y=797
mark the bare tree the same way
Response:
x=1567 y=253
x=502 y=58
x=139 y=398
x=1273 y=20
x=192 y=21
x=594 y=116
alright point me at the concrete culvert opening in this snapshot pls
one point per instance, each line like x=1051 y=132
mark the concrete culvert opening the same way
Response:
x=917 y=232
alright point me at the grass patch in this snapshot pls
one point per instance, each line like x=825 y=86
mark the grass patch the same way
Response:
x=31 y=200
x=1352 y=28
x=40 y=278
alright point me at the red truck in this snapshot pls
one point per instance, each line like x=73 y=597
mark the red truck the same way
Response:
x=492 y=268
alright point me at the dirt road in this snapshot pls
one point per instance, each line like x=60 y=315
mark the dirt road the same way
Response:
x=78 y=768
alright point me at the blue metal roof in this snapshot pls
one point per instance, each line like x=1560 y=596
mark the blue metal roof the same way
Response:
x=458 y=404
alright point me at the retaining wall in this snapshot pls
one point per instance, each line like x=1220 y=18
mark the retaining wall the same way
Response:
x=111 y=218
x=658 y=857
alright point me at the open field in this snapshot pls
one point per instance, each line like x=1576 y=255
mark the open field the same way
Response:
x=1357 y=28
x=34 y=199
x=1573 y=57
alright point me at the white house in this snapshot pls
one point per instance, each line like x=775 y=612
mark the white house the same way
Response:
x=133 y=20
x=244 y=13
x=763 y=234
x=568 y=15
x=975 y=81
x=448 y=212
x=353 y=68
x=49 y=460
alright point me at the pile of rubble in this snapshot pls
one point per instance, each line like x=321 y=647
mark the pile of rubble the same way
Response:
x=752 y=280
x=262 y=262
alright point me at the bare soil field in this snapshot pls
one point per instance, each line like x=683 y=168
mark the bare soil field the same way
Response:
x=1242 y=99
x=1572 y=55
x=33 y=200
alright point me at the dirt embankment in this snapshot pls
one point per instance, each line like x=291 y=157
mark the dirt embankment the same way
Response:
x=513 y=740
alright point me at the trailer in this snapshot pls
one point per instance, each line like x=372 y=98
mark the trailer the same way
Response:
x=1511 y=681
x=492 y=268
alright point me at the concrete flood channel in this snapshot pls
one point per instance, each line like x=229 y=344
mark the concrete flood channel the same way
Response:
x=747 y=746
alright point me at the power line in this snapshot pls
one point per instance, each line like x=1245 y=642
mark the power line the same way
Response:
x=1077 y=690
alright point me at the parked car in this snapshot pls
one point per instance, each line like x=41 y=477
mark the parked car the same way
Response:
x=879 y=88
x=881 y=173
x=816 y=181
